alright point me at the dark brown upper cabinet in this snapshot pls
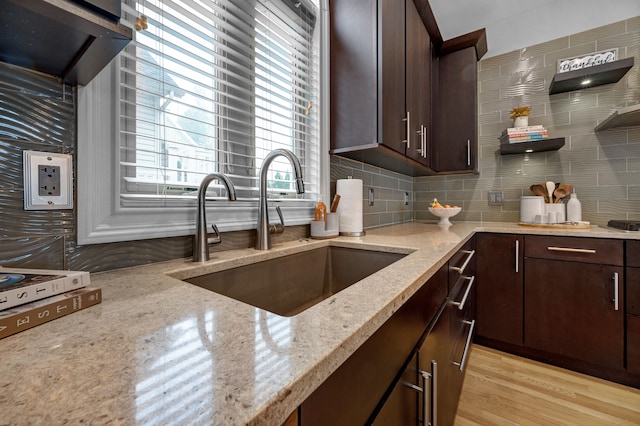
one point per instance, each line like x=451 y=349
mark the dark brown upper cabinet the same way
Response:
x=418 y=86
x=455 y=112
x=386 y=58
x=380 y=55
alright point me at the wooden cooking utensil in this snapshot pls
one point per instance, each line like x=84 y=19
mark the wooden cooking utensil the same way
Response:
x=334 y=204
x=540 y=191
x=562 y=191
x=551 y=186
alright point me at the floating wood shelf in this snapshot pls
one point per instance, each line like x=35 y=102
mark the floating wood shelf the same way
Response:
x=532 y=146
x=624 y=117
x=597 y=75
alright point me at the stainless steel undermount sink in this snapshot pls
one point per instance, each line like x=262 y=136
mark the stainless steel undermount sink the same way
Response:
x=291 y=284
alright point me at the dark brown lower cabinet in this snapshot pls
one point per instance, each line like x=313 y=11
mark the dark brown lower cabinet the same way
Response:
x=499 y=274
x=428 y=389
x=633 y=344
x=633 y=307
x=401 y=408
x=354 y=391
x=575 y=310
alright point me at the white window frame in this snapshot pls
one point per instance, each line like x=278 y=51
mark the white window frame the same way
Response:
x=101 y=219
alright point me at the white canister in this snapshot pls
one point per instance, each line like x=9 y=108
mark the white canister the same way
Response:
x=530 y=207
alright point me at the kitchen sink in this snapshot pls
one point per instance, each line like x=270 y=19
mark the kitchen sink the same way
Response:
x=291 y=284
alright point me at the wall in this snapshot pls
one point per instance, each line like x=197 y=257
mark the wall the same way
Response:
x=38 y=113
x=389 y=189
x=604 y=167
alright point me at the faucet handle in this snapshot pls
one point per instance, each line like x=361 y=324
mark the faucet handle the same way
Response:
x=217 y=239
x=280 y=215
x=279 y=227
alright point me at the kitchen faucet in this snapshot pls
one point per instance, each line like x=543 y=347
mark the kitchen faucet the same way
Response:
x=202 y=239
x=263 y=230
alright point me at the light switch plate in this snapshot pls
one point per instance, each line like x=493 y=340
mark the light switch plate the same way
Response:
x=496 y=198
x=48 y=183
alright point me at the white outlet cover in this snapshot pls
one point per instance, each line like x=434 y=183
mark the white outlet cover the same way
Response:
x=32 y=200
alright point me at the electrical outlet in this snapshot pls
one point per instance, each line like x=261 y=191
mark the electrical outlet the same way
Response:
x=496 y=198
x=48 y=181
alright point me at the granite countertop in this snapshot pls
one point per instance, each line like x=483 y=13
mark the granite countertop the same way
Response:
x=158 y=350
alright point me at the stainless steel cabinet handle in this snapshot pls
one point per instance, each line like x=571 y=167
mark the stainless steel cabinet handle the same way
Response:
x=465 y=353
x=616 y=289
x=468 y=152
x=461 y=269
x=421 y=138
x=408 y=120
x=461 y=303
x=424 y=141
x=517 y=254
x=426 y=397
x=434 y=390
x=571 y=250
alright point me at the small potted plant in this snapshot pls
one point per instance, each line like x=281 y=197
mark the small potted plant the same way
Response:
x=520 y=116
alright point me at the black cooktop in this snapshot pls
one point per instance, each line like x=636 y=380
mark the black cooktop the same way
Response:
x=627 y=225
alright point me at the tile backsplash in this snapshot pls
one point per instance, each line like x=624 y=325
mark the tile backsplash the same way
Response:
x=38 y=113
x=604 y=167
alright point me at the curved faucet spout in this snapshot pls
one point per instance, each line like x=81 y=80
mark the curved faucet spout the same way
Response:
x=202 y=240
x=263 y=234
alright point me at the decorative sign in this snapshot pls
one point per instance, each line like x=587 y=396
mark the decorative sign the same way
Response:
x=590 y=60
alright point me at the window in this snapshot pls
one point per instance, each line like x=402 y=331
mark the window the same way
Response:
x=209 y=86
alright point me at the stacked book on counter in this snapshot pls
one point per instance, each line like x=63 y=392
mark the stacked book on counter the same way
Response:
x=524 y=134
x=31 y=297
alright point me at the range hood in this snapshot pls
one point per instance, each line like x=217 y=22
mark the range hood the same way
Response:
x=70 y=39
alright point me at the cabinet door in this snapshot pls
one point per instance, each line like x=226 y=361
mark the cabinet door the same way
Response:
x=633 y=291
x=351 y=395
x=575 y=310
x=392 y=100
x=499 y=288
x=633 y=344
x=401 y=408
x=455 y=141
x=433 y=360
x=418 y=81
x=354 y=73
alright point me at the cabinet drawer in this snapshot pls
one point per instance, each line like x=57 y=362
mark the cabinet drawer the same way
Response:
x=575 y=249
x=462 y=263
x=633 y=291
x=633 y=253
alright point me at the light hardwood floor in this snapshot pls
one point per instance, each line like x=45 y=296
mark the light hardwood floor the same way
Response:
x=502 y=389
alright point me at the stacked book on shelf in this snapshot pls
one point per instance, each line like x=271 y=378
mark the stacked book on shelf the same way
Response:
x=524 y=134
x=30 y=297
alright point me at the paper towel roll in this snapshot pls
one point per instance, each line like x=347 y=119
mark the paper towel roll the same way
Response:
x=350 y=207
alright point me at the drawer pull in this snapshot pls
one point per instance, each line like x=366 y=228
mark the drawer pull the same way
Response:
x=465 y=353
x=462 y=302
x=460 y=269
x=572 y=250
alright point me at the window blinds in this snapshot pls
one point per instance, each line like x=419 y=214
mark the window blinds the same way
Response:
x=213 y=86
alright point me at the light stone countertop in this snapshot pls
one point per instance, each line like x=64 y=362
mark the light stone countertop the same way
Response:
x=158 y=350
